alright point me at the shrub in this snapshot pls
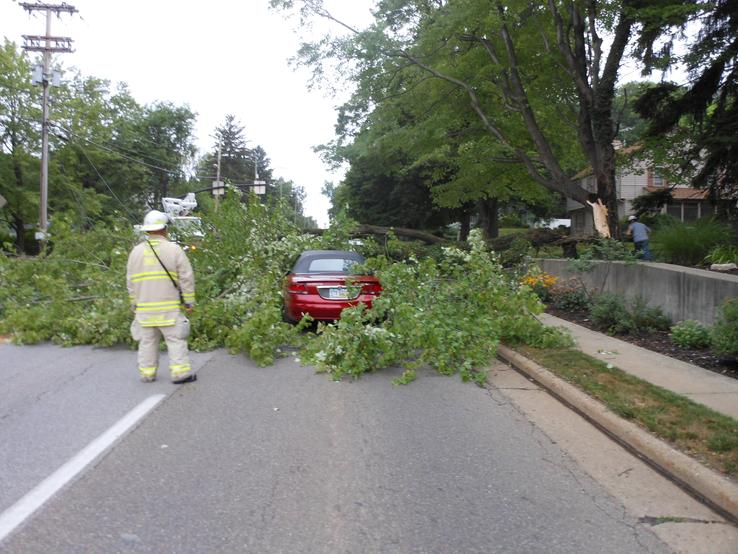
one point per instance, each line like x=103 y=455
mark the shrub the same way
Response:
x=574 y=300
x=569 y=296
x=722 y=254
x=690 y=334
x=647 y=318
x=516 y=254
x=724 y=335
x=602 y=249
x=610 y=313
x=689 y=243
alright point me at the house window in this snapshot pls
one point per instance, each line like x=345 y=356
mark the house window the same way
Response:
x=690 y=211
x=658 y=180
x=578 y=221
x=675 y=210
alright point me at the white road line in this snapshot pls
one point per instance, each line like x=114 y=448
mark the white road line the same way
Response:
x=18 y=512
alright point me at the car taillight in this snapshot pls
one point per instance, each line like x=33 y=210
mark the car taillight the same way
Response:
x=297 y=288
x=371 y=288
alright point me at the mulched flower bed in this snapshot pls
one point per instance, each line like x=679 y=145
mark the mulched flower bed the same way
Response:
x=658 y=342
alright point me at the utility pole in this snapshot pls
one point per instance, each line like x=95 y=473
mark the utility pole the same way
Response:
x=46 y=44
x=218 y=184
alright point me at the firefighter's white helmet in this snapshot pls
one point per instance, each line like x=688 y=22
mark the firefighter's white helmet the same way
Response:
x=155 y=221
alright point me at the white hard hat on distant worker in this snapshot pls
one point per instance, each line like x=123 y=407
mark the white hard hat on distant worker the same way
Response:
x=155 y=221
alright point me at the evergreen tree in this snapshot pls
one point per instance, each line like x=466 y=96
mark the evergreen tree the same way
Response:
x=708 y=107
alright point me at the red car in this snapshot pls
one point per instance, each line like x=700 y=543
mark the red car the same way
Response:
x=317 y=285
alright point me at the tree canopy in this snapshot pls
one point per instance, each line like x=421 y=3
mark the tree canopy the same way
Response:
x=109 y=154
x=708 y=105
x=538 y=78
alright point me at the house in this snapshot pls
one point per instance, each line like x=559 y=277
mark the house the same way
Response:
x=635 y=180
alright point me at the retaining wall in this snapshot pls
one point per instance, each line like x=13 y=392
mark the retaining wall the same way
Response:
x=681 y=292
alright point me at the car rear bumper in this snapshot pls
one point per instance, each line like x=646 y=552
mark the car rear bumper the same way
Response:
x=320 y=308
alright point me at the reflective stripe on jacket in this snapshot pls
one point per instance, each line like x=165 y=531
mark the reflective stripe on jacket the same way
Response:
x=150 y=289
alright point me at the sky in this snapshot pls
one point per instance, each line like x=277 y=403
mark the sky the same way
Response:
x=219 y=57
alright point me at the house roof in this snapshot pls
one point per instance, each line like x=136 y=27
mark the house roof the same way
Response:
x=683 y=193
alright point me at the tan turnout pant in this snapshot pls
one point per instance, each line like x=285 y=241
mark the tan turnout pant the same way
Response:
x=148 y=350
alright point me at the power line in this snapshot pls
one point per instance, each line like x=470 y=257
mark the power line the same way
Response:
x=115 y=147
x=128 y=211
x=117 y=151
x=122 y=154
x=112 y=192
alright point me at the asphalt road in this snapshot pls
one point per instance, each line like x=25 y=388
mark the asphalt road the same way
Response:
x=280 y=459
x=54 y=401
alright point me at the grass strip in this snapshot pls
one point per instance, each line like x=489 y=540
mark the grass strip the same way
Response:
x=696 y=430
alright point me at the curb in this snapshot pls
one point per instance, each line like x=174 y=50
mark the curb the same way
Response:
x=702 y=482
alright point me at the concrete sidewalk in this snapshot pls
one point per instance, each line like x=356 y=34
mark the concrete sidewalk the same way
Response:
x=700 y=385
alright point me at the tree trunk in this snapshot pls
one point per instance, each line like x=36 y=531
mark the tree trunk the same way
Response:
x=465 y=227
x=364 y=229
x=18 y=223
x=604 y=160
x=20 y=232
x=607 y=191
x=488 y=217
x=595 y=76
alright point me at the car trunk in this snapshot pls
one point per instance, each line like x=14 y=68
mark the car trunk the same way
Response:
x=334 y=286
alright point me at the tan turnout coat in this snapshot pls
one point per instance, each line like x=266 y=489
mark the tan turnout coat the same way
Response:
x=152 y=293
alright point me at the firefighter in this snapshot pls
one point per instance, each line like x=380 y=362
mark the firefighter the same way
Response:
x=160 y=284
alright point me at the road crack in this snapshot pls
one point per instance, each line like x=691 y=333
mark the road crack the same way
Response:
x=659 y=520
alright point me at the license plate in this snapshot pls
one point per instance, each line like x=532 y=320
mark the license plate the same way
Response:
x=338 y=293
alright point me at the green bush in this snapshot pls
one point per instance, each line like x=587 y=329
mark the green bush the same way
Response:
x=603 y=248
x=647 y=318
x=569 y=296
x=516 y=254
x=722 y=254
x=610 y=314
x=689 y=243
x=724 y=335
x=656 y=220
x=690 y=334
x=574 y=300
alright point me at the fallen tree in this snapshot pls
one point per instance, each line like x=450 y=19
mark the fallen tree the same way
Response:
x=364 y=230
x=447 y=311
x=536 y=237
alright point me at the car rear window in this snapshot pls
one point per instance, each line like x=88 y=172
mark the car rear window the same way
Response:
x=332 y=265
x=327 y=261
